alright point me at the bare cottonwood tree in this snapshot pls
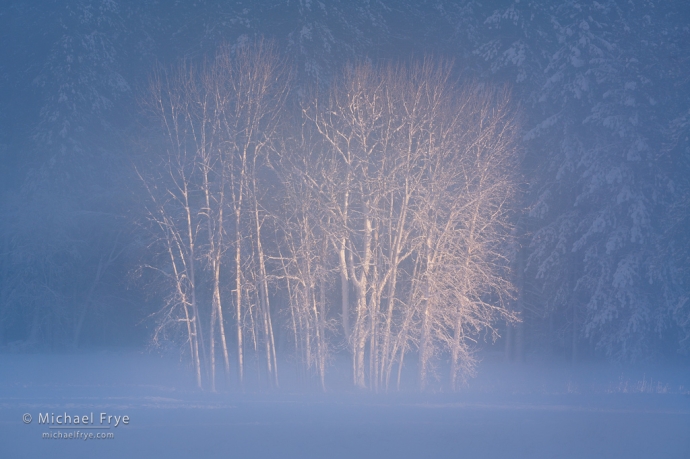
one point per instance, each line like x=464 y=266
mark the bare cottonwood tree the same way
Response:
x=305 y=249
x=463 y=221
x=416 y=189
x=255 y=82
x=218 y=120
x=172 y=209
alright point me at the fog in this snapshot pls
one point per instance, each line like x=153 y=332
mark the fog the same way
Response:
x=531 y=410
x=345 y=229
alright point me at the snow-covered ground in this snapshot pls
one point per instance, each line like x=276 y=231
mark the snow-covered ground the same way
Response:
x=507 y=411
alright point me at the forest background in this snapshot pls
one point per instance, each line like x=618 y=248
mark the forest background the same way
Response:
x=593 y=253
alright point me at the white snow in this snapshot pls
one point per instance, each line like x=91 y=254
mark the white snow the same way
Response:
x=508 y=411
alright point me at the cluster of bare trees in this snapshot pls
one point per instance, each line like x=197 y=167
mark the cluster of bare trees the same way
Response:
x=378 y=214
x=411 y=181
x=218 y=120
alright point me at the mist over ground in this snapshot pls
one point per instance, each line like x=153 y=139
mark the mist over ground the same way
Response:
x=345 y=229
x=531 y=410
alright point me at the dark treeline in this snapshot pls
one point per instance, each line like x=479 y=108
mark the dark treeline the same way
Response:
x=169 y=175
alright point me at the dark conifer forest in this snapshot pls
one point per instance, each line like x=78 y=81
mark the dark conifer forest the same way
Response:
x=392 y=187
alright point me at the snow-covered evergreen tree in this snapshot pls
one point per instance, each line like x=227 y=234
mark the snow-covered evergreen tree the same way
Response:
x=597 y=91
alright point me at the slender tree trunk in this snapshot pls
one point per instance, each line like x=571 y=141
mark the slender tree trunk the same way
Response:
x=238 y=299
x=192 y=334
x=212 y=347
x=215 y=238
x=400 y=366
x=344 y=291
x=360 y=333
x=424 y=346
x=396 y=249
x=373 y=317
x=219 y=313
x=455 y=355
x=322 y=331
x=403 y=335
x=271 y=360
x=520 y=326
x=193 y=348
